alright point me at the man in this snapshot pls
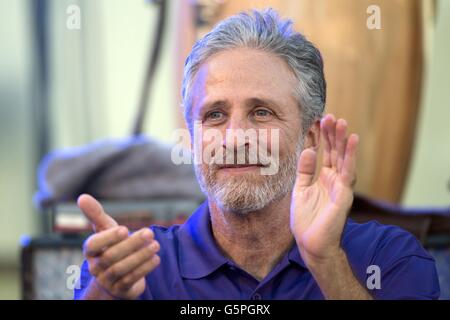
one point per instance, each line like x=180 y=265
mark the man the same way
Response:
x=279 y=236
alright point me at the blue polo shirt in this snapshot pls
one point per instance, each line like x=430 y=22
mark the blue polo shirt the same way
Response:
x=193 y=267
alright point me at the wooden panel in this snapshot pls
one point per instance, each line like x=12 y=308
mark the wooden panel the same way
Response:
x=186 y=36
x=373 y=77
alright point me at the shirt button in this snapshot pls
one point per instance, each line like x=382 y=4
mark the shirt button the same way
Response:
x=256 y=296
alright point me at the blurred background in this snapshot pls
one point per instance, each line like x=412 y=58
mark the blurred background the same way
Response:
x=90 y=88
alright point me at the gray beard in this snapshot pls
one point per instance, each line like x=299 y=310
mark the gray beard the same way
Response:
x=244 y=194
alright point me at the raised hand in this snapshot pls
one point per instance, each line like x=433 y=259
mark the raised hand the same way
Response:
x=319 y=208
x=117 y=261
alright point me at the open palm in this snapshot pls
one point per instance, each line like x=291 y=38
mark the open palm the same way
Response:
x=319 y=207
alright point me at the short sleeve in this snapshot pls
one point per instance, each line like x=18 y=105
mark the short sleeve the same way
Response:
x=408 y=271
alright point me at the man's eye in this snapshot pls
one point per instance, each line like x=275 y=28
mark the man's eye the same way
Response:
x=215 y=115
x=262 y=113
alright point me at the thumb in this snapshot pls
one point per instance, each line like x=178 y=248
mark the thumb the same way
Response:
x=306 y=169
x=93 y=210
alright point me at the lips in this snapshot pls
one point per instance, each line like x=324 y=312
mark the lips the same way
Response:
x=234 y=166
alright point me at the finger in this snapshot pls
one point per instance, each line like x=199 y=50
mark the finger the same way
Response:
x=127 y=281
x=124 y=248
x=97 y=243
x=330 y=126
x=306 y=168
x=330 y=131
x=349 y=166
x=341 y=142
x=326 y=158
x=93 y=210
x=121 y=268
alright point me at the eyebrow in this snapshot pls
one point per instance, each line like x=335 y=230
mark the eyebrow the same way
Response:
x=263 y=102
x=216 y=103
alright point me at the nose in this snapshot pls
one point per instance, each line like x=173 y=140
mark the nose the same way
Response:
x=237 y=119
x=235 y=137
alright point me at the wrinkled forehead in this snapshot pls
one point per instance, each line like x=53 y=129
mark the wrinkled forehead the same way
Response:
x=241 y=74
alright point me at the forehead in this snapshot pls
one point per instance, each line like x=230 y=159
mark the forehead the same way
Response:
x=244 y=73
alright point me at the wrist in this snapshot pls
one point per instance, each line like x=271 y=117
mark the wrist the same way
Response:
x=326 y=261
x=335 y=277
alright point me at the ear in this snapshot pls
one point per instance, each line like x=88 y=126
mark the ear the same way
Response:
x=312 y=137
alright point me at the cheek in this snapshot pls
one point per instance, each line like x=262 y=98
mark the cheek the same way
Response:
x=280 y=142
x=206 y=143
x=292 y=138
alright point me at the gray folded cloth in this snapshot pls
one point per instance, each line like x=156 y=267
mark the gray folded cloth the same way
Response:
x=134 y=168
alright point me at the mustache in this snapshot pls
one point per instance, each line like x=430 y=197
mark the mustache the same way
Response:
x=240 y=157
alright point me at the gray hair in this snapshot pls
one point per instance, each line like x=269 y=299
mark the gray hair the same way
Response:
x=264 y=30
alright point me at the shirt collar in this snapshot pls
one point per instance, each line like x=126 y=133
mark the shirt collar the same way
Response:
x=198 y=252
x=294 y=256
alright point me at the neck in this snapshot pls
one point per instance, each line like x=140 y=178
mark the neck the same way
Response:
x=255 y=241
